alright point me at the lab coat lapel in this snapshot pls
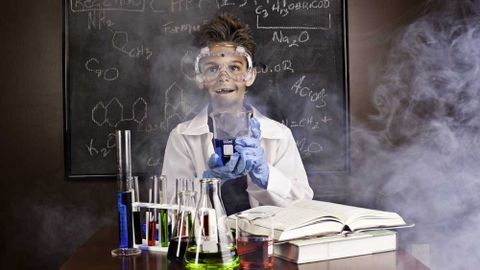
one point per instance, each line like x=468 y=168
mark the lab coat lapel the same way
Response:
x=198 y=126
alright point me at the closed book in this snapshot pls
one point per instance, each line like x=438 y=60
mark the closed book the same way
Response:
x=336 y=246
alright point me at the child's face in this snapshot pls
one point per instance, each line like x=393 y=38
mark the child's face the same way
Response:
x=223 y=78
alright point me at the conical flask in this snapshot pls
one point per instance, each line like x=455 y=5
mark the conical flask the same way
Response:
x=183 y=226
x=211 y=245
x=181 y=184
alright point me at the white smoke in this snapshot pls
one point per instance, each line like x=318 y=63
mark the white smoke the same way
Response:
x=422 y=159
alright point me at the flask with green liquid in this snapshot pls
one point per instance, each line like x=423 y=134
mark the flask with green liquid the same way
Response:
x=211 y=245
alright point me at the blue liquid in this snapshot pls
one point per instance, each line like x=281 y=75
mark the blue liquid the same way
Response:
x=124 y=202
x=219 y=150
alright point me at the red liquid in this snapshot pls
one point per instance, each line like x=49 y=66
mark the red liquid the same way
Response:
x=255 y=251
x=151 y=233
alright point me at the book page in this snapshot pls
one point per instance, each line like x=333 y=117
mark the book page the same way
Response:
x=354 y=217
x=292 y=217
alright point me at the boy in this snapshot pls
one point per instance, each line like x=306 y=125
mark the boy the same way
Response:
x=266 y=168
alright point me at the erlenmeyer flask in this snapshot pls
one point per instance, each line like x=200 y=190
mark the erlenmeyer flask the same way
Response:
x=211 y=244
x=181 y=184
x=183 y=225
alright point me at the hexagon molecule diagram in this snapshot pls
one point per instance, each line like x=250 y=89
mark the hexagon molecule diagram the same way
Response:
x=113 y=113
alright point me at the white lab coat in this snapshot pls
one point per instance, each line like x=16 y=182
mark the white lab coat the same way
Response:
x=190 y=146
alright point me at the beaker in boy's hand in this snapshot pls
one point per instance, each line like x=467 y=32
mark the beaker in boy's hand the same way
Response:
x=254 y=247
x=227 y=126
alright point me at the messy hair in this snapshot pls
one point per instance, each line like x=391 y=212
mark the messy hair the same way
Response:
x=225 y=27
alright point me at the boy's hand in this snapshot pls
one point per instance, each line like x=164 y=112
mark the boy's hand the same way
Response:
x=252 y=155
x=232 y=170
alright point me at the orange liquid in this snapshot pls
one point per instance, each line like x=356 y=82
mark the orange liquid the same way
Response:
x=255 y=251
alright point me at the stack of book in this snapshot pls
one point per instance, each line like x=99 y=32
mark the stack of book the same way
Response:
x=310 y=230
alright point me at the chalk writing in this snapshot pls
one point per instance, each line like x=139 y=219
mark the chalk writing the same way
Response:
x=170 y=28
x=113 y=113
x=279 y=37
x=97 y=19
x=109 y=74
x=122 y=5
x=180 y=5
x=102 y=151
x=315 y=96
x=306 y=122
x=154 y=162
x=308 y=148
x=151 y=128
x=325 y=119
x=120 y=42
x=282 y=8
x=176 y=108
x=285 y=65
x=177 y=6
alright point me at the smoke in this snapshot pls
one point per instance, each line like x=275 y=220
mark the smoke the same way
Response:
x=420 y=156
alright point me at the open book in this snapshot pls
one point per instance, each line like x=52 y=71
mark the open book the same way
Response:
x=307 y=218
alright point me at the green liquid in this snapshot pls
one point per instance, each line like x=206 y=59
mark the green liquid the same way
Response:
x=226 y=258
x=164 y=227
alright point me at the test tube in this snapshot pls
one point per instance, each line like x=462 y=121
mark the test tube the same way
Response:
x=137 y=226
x=163 y=219
x=151 y=214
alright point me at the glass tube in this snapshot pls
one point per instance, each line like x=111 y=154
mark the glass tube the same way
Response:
x=163 y=219
x=124 y=196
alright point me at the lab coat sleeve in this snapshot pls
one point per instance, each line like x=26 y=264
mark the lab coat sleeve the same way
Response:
x=177 y=162
x=287 y=179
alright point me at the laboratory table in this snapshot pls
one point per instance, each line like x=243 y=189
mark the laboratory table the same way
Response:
x=95 y=254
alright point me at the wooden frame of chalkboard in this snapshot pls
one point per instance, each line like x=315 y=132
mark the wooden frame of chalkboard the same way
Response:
x=127 y=65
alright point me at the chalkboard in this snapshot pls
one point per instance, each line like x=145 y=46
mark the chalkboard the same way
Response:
x=128 y=66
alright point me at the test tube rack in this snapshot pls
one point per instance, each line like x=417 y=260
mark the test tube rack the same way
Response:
x=143 y=208
x=146 y=207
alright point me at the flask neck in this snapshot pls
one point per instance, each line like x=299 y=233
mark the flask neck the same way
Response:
x=210 y=196
x=187 y=199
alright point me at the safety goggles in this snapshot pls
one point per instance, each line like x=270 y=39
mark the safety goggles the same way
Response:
x=209 y=70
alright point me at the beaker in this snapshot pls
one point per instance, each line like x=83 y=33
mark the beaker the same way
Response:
x=227 y=126
x=255 y=247
x=124 y=196
x=183 y=225
x=211 y=245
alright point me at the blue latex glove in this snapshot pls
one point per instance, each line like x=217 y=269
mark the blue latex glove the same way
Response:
x=252 y=155
x=232 y=170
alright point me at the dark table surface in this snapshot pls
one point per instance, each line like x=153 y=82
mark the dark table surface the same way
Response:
x=95 y=254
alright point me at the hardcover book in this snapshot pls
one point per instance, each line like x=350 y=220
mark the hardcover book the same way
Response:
x=307 y=218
